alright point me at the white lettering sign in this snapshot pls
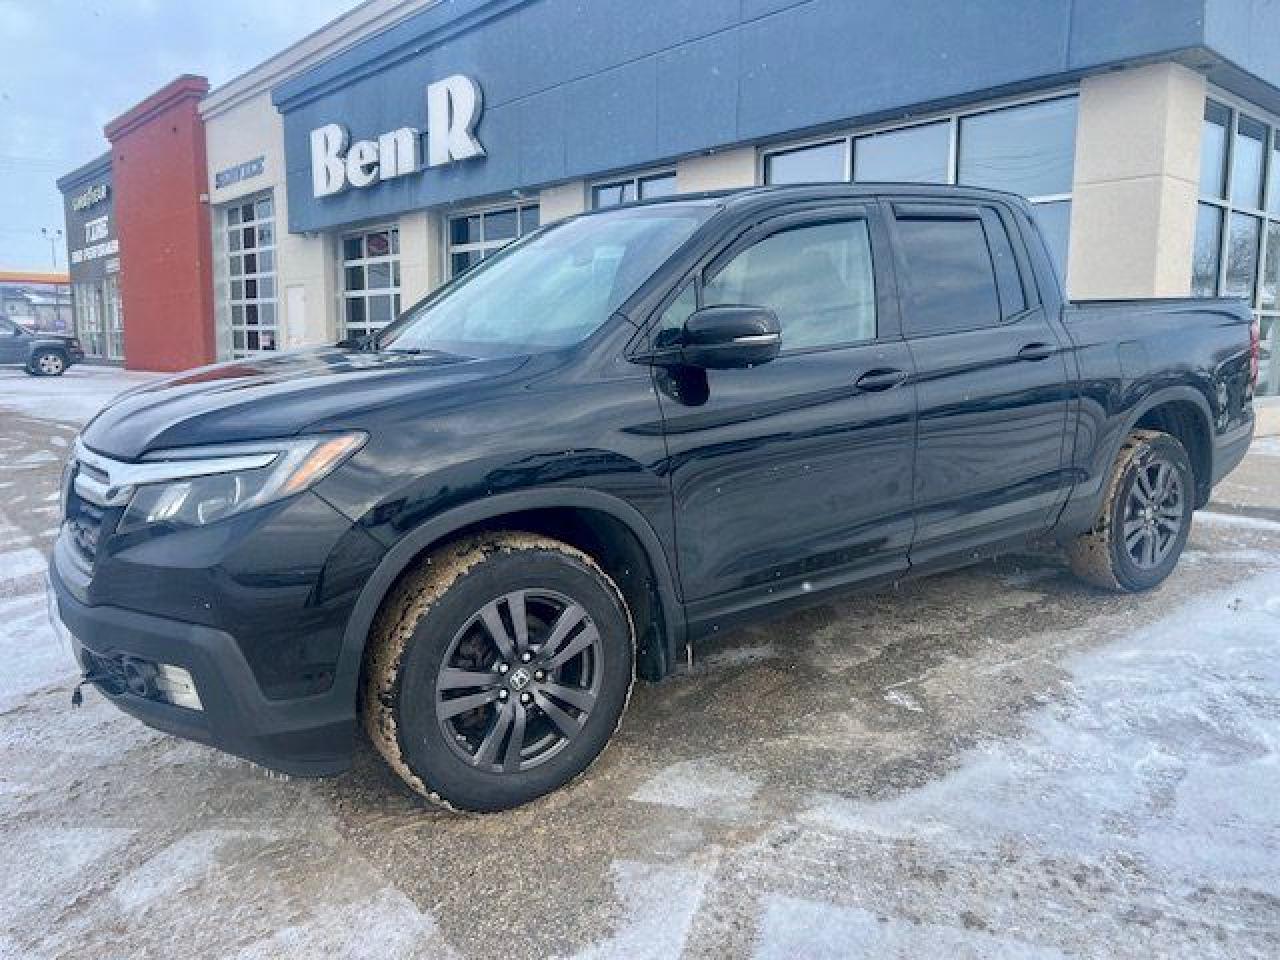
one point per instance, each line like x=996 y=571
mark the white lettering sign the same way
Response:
x=84 y=254
x=95 y=230
x=454 y=105
x=91 y=195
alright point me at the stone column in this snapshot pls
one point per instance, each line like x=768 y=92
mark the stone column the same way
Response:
x=1137 y=168
x=724 y=170
x=563 y=200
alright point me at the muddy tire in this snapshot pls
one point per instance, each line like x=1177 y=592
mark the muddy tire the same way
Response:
x=1145 y=518
x=497 y=670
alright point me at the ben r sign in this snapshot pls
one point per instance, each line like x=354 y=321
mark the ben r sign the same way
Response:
x=453 y=110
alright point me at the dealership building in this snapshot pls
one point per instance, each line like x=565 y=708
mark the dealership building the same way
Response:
x=93 y=259
x=400 y=145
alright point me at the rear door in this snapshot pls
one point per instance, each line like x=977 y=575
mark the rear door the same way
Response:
x=795 y=474
x=992 y=393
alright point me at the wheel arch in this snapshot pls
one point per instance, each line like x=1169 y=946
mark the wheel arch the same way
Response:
x=1183 y=413
x=612 y=531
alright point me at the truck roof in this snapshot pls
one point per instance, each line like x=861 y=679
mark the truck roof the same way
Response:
x=747 y=198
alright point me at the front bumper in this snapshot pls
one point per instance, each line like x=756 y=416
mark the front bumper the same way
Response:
x=304 y=736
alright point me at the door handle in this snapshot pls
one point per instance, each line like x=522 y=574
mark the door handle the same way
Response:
x=882 y=378
x=1036 y=351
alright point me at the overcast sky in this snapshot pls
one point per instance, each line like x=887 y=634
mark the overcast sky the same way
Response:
x=69 y=66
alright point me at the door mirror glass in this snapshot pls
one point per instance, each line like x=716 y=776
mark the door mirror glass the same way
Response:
x=730 y=337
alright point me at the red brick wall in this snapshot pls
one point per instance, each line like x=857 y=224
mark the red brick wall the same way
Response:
x=166 y=287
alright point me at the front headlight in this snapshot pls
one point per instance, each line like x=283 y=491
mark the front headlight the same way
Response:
x=195 y=486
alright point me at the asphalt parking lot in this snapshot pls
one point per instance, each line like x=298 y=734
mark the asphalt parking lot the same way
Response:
x=1000 y=762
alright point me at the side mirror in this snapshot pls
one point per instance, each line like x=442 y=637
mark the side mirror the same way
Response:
x=722 y=338
x=730 y=337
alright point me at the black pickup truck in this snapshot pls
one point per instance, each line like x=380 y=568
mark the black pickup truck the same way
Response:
x=624 y=431
x=40 y=354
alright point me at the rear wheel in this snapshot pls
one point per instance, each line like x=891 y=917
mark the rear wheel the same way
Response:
x=48 y=363
x=498 y=670
x=1145 y=518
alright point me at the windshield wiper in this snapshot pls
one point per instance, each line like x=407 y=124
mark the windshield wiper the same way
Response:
x=424 y=352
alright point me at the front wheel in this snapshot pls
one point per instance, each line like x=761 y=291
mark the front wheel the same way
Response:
x=1145 y=518
x=498 y=670
x=48 y=363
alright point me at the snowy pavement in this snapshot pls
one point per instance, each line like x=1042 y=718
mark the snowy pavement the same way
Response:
x=73 y=397
x=993 y=763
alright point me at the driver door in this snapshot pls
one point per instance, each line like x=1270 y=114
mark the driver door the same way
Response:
x=796 y=474
x=13 y=346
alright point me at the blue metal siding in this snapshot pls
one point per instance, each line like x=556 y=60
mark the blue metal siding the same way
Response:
x=1246 y=33
x=580 y=87
x=1107 y=31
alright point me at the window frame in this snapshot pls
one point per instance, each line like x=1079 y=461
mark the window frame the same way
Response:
x=632 y=180
x=484 y=247
x=1267 y=215
x=226 y=305
x=394 y=260
x=1226 y=206
x=754 y=231
x=953 y=118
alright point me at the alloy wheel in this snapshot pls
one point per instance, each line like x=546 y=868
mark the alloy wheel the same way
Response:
x=50 y=364
x=1155 y=511
x=519 y=680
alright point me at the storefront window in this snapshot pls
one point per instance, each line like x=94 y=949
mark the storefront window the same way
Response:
x=823 y=163
x=370 y=280
x=1026 y=148
x=1242 y=256
x=913 y=155
x=114 y=317
x=249 y=305
x=474 y=236
x=641 y=186
x=1213 y=150
x=89 y=326
x=1208 y=249
x=1247 y=160
x=1237 y=245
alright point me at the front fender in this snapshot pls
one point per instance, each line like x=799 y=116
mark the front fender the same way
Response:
x=441 y=527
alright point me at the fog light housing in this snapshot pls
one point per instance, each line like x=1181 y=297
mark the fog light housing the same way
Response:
x=175 y=685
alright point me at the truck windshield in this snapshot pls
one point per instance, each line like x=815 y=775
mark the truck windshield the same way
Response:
x=549 y=290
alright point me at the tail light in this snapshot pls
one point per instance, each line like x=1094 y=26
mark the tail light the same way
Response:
x=1255 y=350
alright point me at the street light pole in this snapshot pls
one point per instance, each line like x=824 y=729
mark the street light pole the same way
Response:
x=53 y=236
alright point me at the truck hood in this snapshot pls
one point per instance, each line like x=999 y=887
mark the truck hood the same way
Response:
x=274 y=396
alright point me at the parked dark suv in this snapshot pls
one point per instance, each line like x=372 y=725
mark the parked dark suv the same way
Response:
x=621 y=433
x=40 y=354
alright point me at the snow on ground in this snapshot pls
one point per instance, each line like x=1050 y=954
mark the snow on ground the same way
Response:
x=73 y=397
x=994 y=763
x=1265 y=447
x=1179 y=718
x=1217 y=518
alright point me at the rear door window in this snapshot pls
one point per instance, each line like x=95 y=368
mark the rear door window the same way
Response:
x=951 y=276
